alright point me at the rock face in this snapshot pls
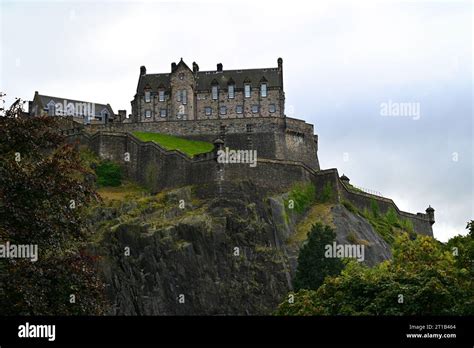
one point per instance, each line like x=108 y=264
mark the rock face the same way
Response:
x=213 y=259
x=354 y=229
x=228 y=254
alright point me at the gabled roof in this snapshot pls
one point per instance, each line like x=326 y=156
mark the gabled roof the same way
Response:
x=205 y=79
x=45 y=99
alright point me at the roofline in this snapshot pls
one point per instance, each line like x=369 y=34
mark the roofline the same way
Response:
x=75 y=100
x=238 y=71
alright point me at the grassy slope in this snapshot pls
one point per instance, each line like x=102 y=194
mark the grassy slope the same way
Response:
x=169 y=142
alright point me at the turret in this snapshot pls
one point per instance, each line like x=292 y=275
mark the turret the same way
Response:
x=345 y=180
x=430 y=212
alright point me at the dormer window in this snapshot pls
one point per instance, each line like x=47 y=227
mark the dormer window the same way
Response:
x=231 y=91
x=215 y=93
x=51 y=108
x=147 y=96
x=161 y=96
x=263 y=90
x=247 y=90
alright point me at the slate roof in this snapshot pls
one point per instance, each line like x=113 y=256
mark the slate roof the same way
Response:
x=205 y=79
x=45 y=99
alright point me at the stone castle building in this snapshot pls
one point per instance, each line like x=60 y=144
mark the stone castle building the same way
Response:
x=185 y=94
x=81 y=111
x=235 y=109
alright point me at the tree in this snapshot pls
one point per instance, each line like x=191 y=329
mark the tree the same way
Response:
x=422 y=279
x=43 y=196
x=313 y=265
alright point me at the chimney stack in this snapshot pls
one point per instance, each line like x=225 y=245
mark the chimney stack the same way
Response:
x=173 y=67
x=219 y=67
x=142 y=70
x=195 y=67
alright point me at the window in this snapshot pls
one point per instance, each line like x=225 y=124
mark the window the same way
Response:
x=215 y=93
x=147 y=113
x=263 y=90
x=51 y=108
x=249 y=128
x=181 y=96
x=223 y=110
x=272 y=108
x=239 y=109
x=163 y=112
x=247 y=90
x=208 y=111
x=147 y=96
x=161 y=96
x=231 y=91
x=254 y=109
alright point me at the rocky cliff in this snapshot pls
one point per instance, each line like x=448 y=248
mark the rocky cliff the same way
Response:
x=234 y=252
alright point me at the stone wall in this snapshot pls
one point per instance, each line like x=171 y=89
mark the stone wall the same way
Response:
x=272 y=137
x=157 y=168
x=362 y=200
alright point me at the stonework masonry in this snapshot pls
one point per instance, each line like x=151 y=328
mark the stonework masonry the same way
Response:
x=157 y=169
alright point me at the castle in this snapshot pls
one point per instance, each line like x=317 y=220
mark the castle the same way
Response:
x=236 y=109
x=185 y=94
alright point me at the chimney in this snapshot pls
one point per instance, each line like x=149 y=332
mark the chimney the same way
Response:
x=280 y=64
x=122 y=115
x=142 y=70
x=195 y=67
x=173 y=67
x=219 y=67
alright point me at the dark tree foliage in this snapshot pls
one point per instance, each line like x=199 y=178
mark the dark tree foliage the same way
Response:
x=425 y=277
x=313 y=266
x=43 y=194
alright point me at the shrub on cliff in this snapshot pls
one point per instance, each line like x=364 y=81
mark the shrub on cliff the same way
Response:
x=108 y=174
x=313 y=266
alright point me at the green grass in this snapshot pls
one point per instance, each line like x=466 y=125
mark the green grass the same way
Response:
x=170 y=142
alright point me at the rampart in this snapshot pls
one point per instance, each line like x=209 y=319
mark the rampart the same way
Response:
x=157 y=168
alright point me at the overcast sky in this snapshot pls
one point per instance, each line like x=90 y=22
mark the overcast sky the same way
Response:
x=341 y=61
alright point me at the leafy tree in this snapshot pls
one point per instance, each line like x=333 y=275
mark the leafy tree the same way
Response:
x=422 y=279
x=43 y=193
x=462 y=248
x=313 y=265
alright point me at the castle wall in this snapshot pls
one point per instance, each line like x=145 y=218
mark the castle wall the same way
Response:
x=362 y=200
x=273 y=137
x=157 y=168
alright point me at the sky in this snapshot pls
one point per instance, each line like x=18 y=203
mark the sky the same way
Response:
x=344 y=62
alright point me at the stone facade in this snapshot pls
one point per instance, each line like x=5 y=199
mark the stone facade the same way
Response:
x=185 y=94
